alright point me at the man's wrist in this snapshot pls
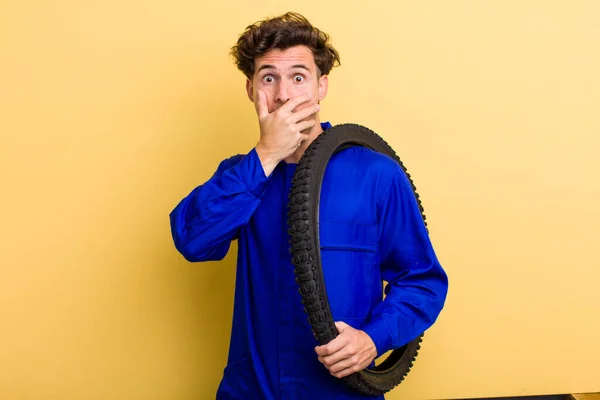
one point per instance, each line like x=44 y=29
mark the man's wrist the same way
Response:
x=371 y=344
x=379 y=333
x=268 y=159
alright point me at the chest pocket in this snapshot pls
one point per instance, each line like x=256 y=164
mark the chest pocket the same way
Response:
x=350 y=263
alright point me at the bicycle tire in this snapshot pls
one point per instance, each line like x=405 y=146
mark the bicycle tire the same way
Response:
x=303 y=223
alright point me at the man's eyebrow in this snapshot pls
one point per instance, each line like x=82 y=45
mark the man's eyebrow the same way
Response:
x=270 y=66
x=301 y=66
x=266 y=66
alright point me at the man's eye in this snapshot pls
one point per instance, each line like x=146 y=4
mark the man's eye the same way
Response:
x=298 y=78
x=268 y=79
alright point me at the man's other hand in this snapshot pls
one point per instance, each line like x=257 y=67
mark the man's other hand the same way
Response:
x=351 y=351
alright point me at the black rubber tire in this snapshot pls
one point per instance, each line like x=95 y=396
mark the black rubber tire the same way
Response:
x=303 y=222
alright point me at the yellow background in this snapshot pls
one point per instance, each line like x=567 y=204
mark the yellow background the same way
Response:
x=111 y=111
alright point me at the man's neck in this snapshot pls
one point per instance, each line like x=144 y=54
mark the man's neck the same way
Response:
x=297 y=155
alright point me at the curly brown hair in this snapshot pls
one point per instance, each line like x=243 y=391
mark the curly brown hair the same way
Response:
x=282 y=32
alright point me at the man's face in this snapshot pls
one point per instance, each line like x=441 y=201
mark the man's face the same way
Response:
x=284 y=74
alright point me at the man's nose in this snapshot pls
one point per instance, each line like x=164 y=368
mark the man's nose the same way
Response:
x=283 y=92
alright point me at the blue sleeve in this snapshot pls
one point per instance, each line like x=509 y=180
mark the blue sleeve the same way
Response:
x=205 y=222
x=417 y=284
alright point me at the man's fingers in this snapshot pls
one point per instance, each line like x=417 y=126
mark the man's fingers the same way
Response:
x=305 y=113
x=294 y=102
x=305 y=125
x=346 y=372
x=262 y=107
x=336 y=358
x=335 y=345
x=347 y=362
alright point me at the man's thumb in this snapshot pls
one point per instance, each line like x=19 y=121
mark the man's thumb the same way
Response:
x=341 y=326
x=262 y=108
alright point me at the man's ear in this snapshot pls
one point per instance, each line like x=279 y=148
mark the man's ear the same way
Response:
x=250 y=90
x=323 y=85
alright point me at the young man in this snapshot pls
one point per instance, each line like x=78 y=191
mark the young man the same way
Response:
x=370 y=230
